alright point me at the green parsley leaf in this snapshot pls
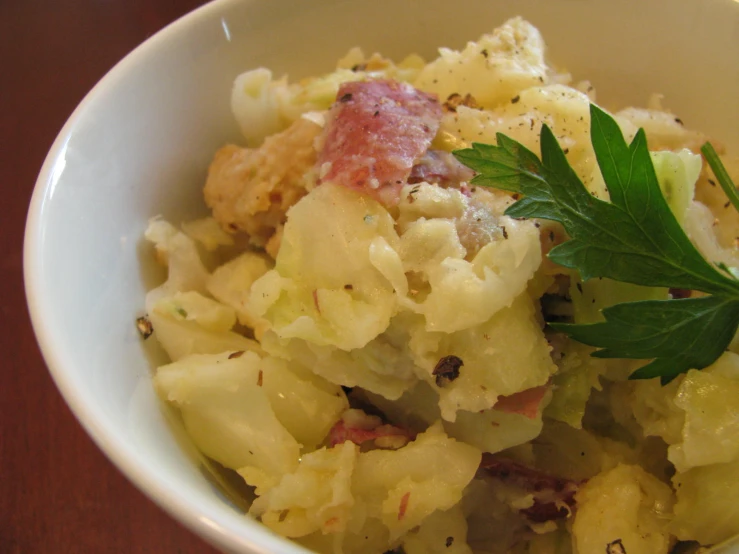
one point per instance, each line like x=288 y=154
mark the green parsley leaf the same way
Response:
x=721 y=175
x=684 y=334
x=634 y=238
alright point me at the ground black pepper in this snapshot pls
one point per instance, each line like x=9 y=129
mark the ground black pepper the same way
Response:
x=447 y=370
x=145 y=327
x=615 y=547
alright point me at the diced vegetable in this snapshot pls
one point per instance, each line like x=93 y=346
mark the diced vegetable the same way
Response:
x=625 y=505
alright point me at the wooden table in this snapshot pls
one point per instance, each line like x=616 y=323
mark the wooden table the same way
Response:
x=58 y=493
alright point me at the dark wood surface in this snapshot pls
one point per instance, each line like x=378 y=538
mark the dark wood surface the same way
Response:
x=58 y=493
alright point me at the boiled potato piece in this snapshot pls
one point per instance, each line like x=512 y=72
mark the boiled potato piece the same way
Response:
x=173 y=248
x=193 y=306
x=208 y=232
x=324 y=289
x=706 y=510
x=316 y=497
x=250 y=413
x=231 y=284
x=710 y=400
x=440 y=533
x=505 y=355
x=402 y=487
x=494 y=69
x=625 y=504
x=181 y=337
x=227 y=414
x=307 y=411
x=372 y=498
x=697 y=414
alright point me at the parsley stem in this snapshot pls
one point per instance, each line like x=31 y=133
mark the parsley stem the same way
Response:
x=721 y=174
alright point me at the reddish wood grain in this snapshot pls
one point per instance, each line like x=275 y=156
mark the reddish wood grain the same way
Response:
x=58 y=494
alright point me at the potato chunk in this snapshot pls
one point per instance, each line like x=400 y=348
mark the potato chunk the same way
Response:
x=626 y=505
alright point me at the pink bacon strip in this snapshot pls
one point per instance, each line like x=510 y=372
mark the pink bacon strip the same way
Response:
x=341 y=433
x=439 y=167
x=374 y=134
x=554 y=497
x=525 y=403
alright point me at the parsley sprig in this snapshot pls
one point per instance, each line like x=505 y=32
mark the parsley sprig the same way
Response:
x=634 y=238
x=721 y=175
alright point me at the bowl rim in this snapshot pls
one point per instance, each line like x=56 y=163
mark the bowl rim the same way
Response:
x=219 y=528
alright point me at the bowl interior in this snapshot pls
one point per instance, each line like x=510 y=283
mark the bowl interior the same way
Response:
x=140 y=143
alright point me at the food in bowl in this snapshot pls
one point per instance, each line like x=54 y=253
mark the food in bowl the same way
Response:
x=372 y=332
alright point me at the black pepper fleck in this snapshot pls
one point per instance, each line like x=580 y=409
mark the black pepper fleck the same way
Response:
x=144 y=326
x=615 y=547
x=447 y=370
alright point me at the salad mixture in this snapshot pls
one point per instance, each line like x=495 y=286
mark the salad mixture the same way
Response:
x=387 y=326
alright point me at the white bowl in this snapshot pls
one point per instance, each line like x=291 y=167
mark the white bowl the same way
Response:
x=140 y=142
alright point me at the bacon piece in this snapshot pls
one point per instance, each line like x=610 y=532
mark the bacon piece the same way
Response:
x=526 y=402
x=374 y=133
x=465 y=189
x=554 y=497
x=680 y=293
x=541 y=512
x=441 y=168
x=403 y=505
x=389 y=435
